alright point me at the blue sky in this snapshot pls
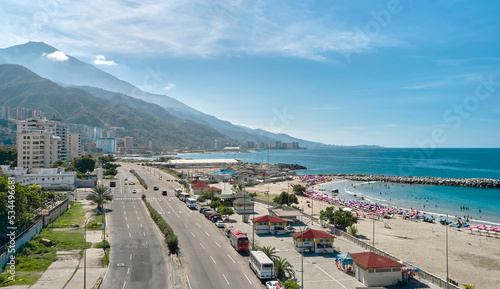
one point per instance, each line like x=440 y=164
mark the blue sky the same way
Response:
x=390 y=73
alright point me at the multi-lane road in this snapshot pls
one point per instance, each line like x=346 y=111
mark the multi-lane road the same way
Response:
x=208 y=260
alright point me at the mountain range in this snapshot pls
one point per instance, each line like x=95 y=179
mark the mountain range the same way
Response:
x=83 y=79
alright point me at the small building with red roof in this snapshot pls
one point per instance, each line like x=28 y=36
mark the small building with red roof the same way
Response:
x=313 y=240
x=215 y=190
x=373 y=269
x=197 y=182
x=269 y=224
x=199 y=188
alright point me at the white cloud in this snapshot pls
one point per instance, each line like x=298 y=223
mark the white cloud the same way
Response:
x=169 y=86
x=101 y=60
x=57 y=56
x=201 y=28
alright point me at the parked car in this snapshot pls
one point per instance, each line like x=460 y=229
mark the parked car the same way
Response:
x=164 y=193
x=156 y=188
x=273 y=285
x=207 y=213
x=134 y=191
x=213 y=215
x=216 y=219
x=219 y=224
x=131 y=183
x=203 y=209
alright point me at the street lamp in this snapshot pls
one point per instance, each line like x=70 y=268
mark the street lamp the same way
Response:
x=447 y=279
x=302 y=237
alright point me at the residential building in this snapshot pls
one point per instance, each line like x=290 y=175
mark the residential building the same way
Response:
x=75 y=145
x=37 y=148
x=129 y=143
x=48 y=178
x=108 y=145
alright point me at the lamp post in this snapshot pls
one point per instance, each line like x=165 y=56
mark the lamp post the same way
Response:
x=447 y=279
x=302 y=237
x=85 y=253
x=373 y=230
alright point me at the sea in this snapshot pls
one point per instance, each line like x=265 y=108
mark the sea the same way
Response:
x=483 y=205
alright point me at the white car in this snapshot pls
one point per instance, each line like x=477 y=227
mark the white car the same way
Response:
x=219 y=224
x=273 y=285
x=134 y=191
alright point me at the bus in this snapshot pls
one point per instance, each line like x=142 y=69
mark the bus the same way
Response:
x=238 y=240
x=261 y=264
x=191 y=203
x=183 y=196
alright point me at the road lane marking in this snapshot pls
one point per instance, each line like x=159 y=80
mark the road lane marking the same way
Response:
x=207 y=233
x=124 y=212
x=130 y=235
x=185 y=225
x=198 y=225
x=130 y=256
x=128 y=227
x=128 y=270
x=226 y=279
x=218 y=244
x=231 y=259
x=248 y=279
x=213 y=260
x=138 y=218
x=202 y=246
x=144 y=233
x=124 y=283
x=170 y=208
x=193 y=234
x=140 y=224
x=189 y=283
x=126 y=219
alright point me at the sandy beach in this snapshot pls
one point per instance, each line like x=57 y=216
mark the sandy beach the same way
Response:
x=473 y=258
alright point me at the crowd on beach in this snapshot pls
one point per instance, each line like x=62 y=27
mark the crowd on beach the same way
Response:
x=373 y=210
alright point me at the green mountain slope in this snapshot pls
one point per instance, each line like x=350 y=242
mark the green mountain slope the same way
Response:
x=19 y=87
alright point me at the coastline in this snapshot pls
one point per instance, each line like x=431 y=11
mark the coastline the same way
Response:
x=474 y=256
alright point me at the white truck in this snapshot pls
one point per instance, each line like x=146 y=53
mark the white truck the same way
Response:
x=183 y=196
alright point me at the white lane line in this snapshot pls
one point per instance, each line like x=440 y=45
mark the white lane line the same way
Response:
x=140 y=224
x=128 y=227
x=226 y=279
x=213 y=260
x=218 y=244
x=124 y=283
x=185 y=225
x=124 y=212
x=138 y=218
x=248 y=279
x=189 y=283
x=144 y=233
x=202 y=245
x=198 y=225
x=193 y=234
x=130 y=256
x=207 y=233
x=126 y=219
x=130 y=235
x=170 y=208
x=128 y=271
x=231 y=259
x=136 y=212
x=330 y=276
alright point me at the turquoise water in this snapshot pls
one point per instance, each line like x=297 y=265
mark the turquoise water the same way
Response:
x=448 y=163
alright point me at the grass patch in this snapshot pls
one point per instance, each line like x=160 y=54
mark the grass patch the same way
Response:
x=172 y=173
x=22 y=278
x=66 y=240
x=74 y=215
x=105 y=259
x=264 y=197
x=141 y=180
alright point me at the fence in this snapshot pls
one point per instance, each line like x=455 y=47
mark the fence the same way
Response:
x=41 y=221
x=421 y=273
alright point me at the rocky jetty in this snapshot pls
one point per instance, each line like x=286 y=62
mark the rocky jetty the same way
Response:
x=293 y=167
x=473 y=182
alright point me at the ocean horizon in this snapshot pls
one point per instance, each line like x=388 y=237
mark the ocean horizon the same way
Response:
x=445 y=163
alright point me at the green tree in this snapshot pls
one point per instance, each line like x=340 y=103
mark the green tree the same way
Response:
x=172 y=243
x=215 y=204
x=226 y=211
x=291 y=285
x=353 y=230
x=283 y=268
x=269 y=251
x=285 y=198
x=8 y=156
x=100 y=195
x=343 y=219
x=299 y=189
x=84 y=164
x=252 y=195
x=58 y=163
x=106 y=159
x=205 y=195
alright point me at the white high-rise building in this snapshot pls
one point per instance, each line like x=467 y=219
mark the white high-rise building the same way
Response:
x=37 y=148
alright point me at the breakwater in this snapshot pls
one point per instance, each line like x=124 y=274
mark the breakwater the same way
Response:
x=472 y=182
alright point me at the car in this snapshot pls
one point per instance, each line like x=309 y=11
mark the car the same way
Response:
x=273 y=285
x=131 y=183
x=156 y=188
x=134 y=191
x=216 y=219
x=203 y=210
x=212 y=216
x=164 y=193
x=219 y=224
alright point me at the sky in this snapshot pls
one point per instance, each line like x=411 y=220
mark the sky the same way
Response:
x=390 y=73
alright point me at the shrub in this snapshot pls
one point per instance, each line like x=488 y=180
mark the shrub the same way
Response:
x=172 y=243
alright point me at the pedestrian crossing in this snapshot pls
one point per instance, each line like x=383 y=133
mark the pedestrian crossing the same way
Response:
x=138 y=198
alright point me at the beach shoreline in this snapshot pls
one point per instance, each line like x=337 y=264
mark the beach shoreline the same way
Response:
x=474 y=256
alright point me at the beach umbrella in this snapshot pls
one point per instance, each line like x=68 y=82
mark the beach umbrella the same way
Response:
x=466 y=228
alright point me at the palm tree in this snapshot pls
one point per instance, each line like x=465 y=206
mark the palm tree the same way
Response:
x=468 y=286
x=353 y=230
x=269 y=251
x=282 y=268
x=100 y=195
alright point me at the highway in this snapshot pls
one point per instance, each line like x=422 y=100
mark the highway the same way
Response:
x=208 y=260
x=138 y=255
